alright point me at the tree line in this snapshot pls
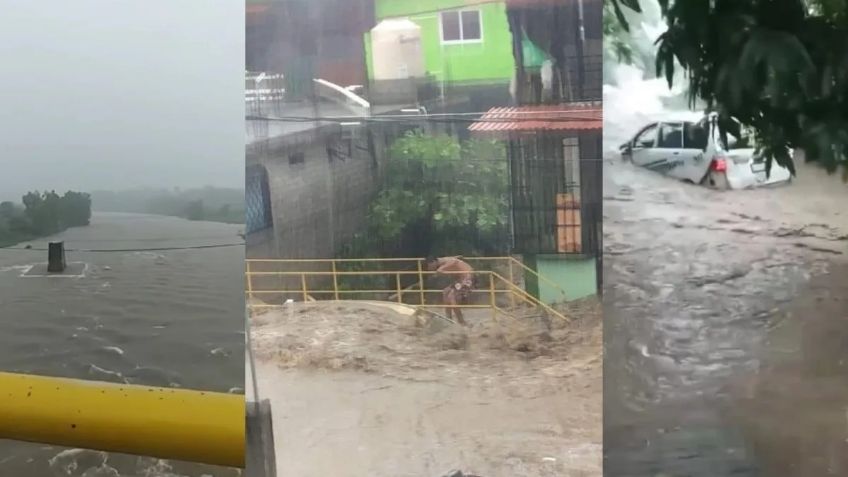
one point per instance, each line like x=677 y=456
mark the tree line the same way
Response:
x=41 y=214
x=208 y=203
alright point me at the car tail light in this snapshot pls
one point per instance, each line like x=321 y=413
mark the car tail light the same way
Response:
x=719 y=164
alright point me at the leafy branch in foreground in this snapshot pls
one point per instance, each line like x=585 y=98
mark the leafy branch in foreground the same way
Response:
x=614 y=36
x=779 y=67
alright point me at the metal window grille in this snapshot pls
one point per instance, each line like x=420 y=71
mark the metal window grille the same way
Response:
x=556 y=194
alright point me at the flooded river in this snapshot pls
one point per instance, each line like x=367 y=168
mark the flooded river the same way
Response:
x=711 y=299
x=163 y=318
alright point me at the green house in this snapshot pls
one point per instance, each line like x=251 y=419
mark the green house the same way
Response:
x=464 y=42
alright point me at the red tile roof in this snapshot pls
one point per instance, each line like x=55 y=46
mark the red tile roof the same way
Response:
x=553 y=117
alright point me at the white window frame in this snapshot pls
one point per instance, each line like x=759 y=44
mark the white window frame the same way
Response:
x=462 y=39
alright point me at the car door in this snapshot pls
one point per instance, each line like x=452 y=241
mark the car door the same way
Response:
x=669 y=147
x=642 y=146
x=695 y=163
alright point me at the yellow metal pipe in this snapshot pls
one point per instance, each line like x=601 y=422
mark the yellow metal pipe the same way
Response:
x=365 y=272
x=374 y=260
x=249 y=282
x=421 y=280
x=194 y=426
x=492 y=293
x=342 y=292
x=325 y=260
x=335 y=281
x=405 y=290
x=420 y=306
x=527 y=297
x=538 y=276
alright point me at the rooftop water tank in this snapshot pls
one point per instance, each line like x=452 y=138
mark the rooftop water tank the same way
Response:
x=396 y=50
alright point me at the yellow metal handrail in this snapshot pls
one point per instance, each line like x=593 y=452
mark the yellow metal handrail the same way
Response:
x=396 y=293
x=528 y=297
x=167 y=423
x=540 y=278
x=509 y=260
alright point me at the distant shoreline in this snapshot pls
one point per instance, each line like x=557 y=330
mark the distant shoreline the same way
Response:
x=23 y=239
x=220 y=220
x=11 y=242
x=210 y=204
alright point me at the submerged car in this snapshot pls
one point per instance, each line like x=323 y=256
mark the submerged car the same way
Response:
x=694 y=152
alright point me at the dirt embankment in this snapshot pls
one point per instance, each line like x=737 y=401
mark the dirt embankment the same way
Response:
x=409 y=394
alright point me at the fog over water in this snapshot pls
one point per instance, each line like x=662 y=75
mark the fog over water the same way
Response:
x=121 y=94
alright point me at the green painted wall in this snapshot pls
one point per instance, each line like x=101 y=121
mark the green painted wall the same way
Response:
x=489 y=61
x=576 y=276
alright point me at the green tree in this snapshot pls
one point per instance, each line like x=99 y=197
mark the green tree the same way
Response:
x=195 y=210
x=778 y=66
x=75 y=210
x=441 y=196
x=43 y=213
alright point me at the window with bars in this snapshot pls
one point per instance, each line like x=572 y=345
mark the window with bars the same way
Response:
x=569 y=230
x=556 y=194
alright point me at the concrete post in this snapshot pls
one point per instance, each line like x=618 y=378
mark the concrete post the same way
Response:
x=56 y=257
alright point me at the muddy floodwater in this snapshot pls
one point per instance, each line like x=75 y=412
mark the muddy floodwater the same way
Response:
x=162 y=318
x=360 y=389
x=726 y=340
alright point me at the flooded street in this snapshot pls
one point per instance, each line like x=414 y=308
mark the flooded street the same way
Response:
x=162 y=318
x=713 y=304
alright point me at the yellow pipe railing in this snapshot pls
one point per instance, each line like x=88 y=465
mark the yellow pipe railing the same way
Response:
x=531 y=299
x=396 y=294
x=509 y=260
x=194 y=426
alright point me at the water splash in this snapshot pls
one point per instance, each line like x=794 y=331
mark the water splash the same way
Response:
x=633 y=95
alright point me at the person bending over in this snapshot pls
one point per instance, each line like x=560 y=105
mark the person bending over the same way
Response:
x=462 y=278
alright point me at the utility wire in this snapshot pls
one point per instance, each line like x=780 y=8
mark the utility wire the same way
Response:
x=589 y=107
x=447 y=118
x=152 y=239
x=156 y=249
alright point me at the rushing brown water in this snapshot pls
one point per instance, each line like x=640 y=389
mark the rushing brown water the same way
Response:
x=163 y=318
x=360 y=389
x=714 y=304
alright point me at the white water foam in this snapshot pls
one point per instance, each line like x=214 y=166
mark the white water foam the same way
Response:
x=633 y=95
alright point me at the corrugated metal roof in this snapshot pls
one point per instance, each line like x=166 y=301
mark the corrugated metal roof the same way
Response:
x=256 y=8
x=553 y=117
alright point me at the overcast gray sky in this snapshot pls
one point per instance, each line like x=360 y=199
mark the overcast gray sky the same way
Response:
x=116 y=94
